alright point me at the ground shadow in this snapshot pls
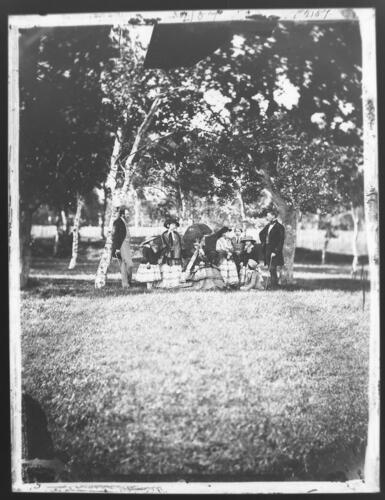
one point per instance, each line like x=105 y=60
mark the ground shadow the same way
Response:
x=343 y=284
x=56 y=287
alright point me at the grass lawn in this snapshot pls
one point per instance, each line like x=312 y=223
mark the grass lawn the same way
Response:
x=199 y=385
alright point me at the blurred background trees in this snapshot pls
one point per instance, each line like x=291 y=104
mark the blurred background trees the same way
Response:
x=260 y=121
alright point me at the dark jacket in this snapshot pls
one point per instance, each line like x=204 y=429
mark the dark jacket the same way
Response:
x=254 y=254
x=149 y=256
x=209 y=247
x=238 y=246
x=118 y=234
x=172 y=249
x=273 y=242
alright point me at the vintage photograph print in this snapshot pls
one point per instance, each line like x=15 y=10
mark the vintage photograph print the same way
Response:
x=194 y=263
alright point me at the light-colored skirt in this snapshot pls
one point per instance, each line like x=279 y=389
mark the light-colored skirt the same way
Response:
x=171 y=276
x=148 y=275
x=207 y=278
x=229 y=272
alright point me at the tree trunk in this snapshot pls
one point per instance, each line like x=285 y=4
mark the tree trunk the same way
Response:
x=289 y=216
x=25 y=245
x=75 y=231
x=355 y=217
x=104 y=212
x=242 y=209
x=65 y=221
x=137 y=208
x=59 y=231
x=289 y=220
x=101 y=273
x=116 y=194
x=369 y=97
x=130 y=161
x=325 y=246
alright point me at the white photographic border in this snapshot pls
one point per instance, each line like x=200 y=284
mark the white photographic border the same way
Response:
x=366 y=18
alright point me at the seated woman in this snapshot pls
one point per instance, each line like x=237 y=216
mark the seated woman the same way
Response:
x=225 y=250
x=149 y=269
x=201 y=273
x=250 y=272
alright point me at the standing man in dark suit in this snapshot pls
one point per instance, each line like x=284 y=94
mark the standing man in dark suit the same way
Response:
x=121 y=248
x=272 y=238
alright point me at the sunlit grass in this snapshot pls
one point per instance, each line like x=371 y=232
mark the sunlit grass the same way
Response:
x=192 y=385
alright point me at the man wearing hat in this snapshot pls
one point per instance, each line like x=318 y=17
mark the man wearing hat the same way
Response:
x=171 y=267
x=121 y=248
x=272 y=238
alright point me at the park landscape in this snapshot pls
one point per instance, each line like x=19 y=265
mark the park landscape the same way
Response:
x=143 y=385
x=199 y=386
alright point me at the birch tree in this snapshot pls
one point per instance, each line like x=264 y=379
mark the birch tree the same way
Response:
x=75 y=231
x=60 y=91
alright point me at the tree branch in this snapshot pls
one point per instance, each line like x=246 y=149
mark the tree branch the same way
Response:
x=135 y=147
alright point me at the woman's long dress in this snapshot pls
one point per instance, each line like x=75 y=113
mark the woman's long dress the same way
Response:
x=246 y=255
x=227 y=265
x=171 y=267
x=149 y=269
x=204 y=275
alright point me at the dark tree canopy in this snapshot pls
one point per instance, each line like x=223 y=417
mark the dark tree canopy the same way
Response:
x=65 y=139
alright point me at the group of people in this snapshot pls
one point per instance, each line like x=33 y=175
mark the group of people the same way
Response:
x=219 y=260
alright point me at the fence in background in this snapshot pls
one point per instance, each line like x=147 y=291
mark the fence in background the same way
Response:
x=312 y=239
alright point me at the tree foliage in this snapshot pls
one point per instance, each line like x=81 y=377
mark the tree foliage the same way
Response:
x=65 y=138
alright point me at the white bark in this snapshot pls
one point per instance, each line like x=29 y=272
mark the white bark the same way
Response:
x=75 y=231
x=355 y=217
x=61 y=224
x=324 y=249
x=101 y=273
x=56 y=241
x=369 y=95
x=139 y=136
x=104 y=213
x=289 y=217
x=64 y=220
x=327 y=236
x=119 y=194
x=137 y=208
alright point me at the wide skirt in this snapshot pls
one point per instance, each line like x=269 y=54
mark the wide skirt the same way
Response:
x=148 y=275
x=171 y=276
x=242 y=275
x=229 y=272
x=207 y=278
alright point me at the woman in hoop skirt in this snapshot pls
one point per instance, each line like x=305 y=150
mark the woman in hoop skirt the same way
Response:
x=227 y=266
x=202 y=274
x=171 y=263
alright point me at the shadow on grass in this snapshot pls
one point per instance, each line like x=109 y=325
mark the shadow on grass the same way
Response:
x=343 y=284
x=56 y=287
x=305 y=255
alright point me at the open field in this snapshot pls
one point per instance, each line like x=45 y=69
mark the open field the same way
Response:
x=142 y=385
